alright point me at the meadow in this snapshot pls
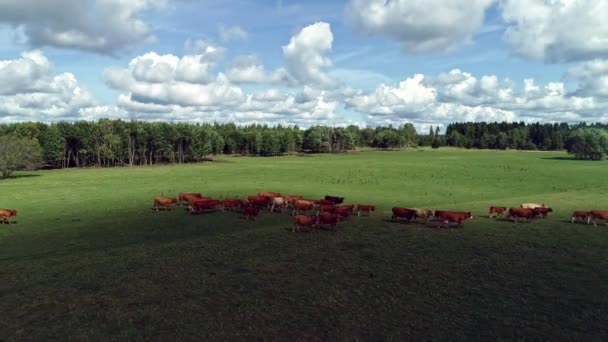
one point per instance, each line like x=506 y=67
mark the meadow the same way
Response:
x=89 y=260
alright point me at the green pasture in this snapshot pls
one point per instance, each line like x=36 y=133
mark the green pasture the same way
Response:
x=89 y=260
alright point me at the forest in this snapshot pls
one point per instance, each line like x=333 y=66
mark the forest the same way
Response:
x=108 y=143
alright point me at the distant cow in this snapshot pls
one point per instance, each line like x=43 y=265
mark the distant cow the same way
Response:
x=343 y=212
x=250 y=212
x=259 y=201
x=278 y=202
x=304 y=221
x=187 y=197
x=497 y=211
x=328 y=219
x=595 y=215
x=230 y=204
x=326 y=208
x=543 y=211
x=290 y=200
x=302 y=205
x=533 y=205
x=424 y=214
x=525 y=213
x=202 y=205
x=445 y=217
x=365 y=208
x=165 y=202
x=403 y=213
x=326 y=202
x=580 y=215
x=6 y=214
x=335 y=199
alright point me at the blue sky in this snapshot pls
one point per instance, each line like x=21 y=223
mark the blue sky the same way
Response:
x=351 y=62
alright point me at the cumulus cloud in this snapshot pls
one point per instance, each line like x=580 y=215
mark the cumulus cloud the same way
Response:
x=248 y=69
x=420 y=26
x=30 y=91
x=305 y=55
x=103 y=26
x=558 y=30
x=592 y=78
x=232 y=33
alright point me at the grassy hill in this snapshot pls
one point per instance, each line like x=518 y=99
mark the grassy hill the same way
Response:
x=88 y=259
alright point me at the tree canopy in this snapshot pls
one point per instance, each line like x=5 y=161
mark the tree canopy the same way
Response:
x=18 y=154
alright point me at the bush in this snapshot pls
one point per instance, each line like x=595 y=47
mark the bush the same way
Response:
x=588 y=143
x=18 y=154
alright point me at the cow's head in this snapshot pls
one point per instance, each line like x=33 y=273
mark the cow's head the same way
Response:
x=469 y=215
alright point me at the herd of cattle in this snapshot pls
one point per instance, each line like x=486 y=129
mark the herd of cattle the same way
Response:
x=331 y=210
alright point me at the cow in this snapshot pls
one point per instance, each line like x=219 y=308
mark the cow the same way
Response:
x=165 y=202
x=187 y=196
x=527 y=213
x=269 y=194
x=6 y=214
x=497 y=211
x=304 y=221
x=326 y=208
x=328 y=219
x=399 y=213
x=543 y=212
x=202 y=205
x=335 y=199
x=259 y=201
x=365 y=208
x=302 y=205
x=595 y=215
x=343 y=212
x=230 y=204
x=278 y=202
x=326 y=202
x=290 y=200
x=580 y=215
x=250 y=212
x=533 y=205
x=424 y=214
x=446 y=217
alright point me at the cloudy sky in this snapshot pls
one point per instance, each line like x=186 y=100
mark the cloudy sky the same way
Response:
x=365 y=62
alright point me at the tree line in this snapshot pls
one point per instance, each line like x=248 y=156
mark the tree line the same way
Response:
x=107 y=143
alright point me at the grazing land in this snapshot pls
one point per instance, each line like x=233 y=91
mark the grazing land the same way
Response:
x=88 y=259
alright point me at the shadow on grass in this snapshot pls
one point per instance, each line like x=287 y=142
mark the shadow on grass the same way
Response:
x=27 y=175
x=569 y=159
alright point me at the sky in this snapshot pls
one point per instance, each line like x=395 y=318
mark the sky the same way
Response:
x=362 y=62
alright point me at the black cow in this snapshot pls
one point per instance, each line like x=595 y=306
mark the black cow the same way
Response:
x=335 y=199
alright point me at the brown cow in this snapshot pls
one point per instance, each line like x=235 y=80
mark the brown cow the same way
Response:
x=6 y=214
x=598 y=215
x=166 y=202
x=187 y=197
x=328 y=219
x=259 y=201
x=543 y=211
x=406 y=213
x=269 y=194
x=459 y=217
x=326 y=208
x=580 y=215
x=497 y=211
x=343 y=212
x=250 y=212
x=290 y=200
x=302 y=205
x=527 y=213
x=304 y=221
x=202 y=205
x=231 y=204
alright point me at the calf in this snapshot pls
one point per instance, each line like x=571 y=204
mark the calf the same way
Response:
x=328 y=219
x=595 y=215
x=365 y=208
x=304 y=221
x=527 y=213
x=497 y=211
x=6 y=214
x=533 y=205
x=165 y=202
x=459 y=217
x=406 y=213
x=335 y=199
x=580 y=215
x=543 y=211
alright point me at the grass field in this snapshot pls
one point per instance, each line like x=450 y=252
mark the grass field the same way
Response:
x=89 y=260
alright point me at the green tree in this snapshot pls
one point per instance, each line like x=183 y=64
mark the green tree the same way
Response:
x=18 y=154
x=588 y=143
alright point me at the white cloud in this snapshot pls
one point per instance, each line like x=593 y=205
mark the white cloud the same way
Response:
x=305 y=55
x=557 y=30
x=30 y=91
x=104 y=26
x=420 y=26
x=248 y=69
x=592 y=77
x=232 y=33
